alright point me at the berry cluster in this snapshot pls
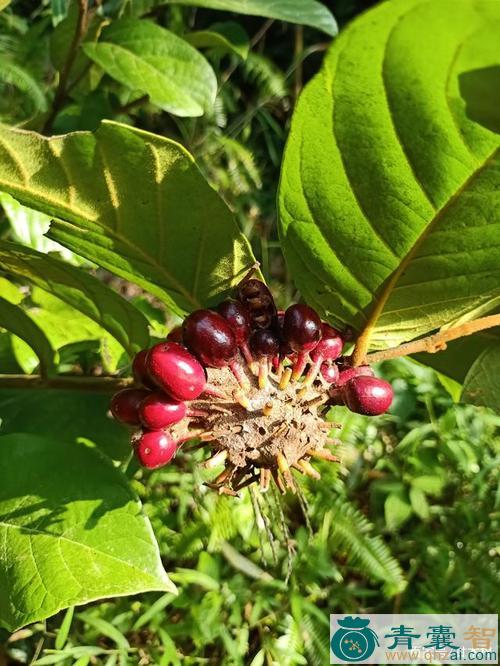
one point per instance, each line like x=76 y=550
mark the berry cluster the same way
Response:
x=250 y=381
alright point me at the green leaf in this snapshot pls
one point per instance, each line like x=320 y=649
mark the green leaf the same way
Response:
x=474 y=362
x=151 y=219
x=59 y=10
x=15 y=320
x=303 y=12
x=389 y=189
x=81 y=291
x=144 y=56
x=419 y=502
x=397 y=511
x=77 y=414
x=482 y=383
x=4 y=4
x=71 y=528
x=429 y=483
x=228 y=36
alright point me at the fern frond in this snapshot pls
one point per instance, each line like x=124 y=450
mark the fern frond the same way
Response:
x=14 y=75
x=269 y=80
x=350 y=536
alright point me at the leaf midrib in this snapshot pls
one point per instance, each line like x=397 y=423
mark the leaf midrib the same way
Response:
x=391 y=284
x=59 y=537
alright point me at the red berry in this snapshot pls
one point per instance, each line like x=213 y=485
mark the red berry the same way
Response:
x=264 y=343
x=330 y=346
x=125 y=405
x=368 y=395
x=175 y=335
x=329 y=372
x=154 y=448
x=176 y=371
x=237 y=316
x=350 y=373
x=301 y=328
x=158 y=411
x=259 y=302
x=140 y=371
x=208 y=335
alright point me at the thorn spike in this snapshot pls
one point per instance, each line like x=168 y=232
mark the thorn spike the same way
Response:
x=242 y=399
x=265 y=479
x=218 y=459
x=323 y=454
x=299 y=366
x=263 y=372
x=306 y=468
x=267 y=409
x=285 y=378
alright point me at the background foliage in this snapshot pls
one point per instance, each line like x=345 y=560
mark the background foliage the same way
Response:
x=409 y=521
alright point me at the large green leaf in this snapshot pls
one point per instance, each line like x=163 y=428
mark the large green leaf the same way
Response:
x=226 y=36
x=134 y=203
x=144 y=56
x=303 y=12
x=76 y=414
x=79 y=290
x=390 y=190
x=14 y=319
x=474 y=362
x=71 y=528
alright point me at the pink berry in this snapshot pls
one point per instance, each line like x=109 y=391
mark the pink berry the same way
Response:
x=158 y=411
x=154 y=448
x=208 y=335
x=176 y=371
x=140 y=371
x=368 y=395
x=329 y=372
x=330 y=346
x=125 y=405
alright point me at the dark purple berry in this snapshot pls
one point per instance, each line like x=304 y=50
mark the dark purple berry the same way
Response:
x=237 y=316
x=154 y=448
x=140 y=371
x=125 y=405
x=368 y=395
x=175 y=335
x=330 y=346
x=264 y=343
x=301 y=328
x=158 y=411
x=259 y=301
x=208 y=335
x=176 y=371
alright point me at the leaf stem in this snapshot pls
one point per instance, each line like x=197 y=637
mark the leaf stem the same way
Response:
x=62 y=88
x=66 y=382
x=436 y=342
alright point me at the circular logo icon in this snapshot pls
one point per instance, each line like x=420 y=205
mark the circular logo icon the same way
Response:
x=354 y=640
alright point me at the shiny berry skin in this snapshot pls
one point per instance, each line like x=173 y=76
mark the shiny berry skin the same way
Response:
x=264 y=343
x=238 y=317
x=349 y=373
x=259 y=301
x=301 y=328
x=175 y=335
x=154 y=448
x=330 y=346
x=158 y=411
x=176 y=371
x=208 y=335
x=368 y=395
x=329 y=372
x=140 y=371
x=125 y=405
